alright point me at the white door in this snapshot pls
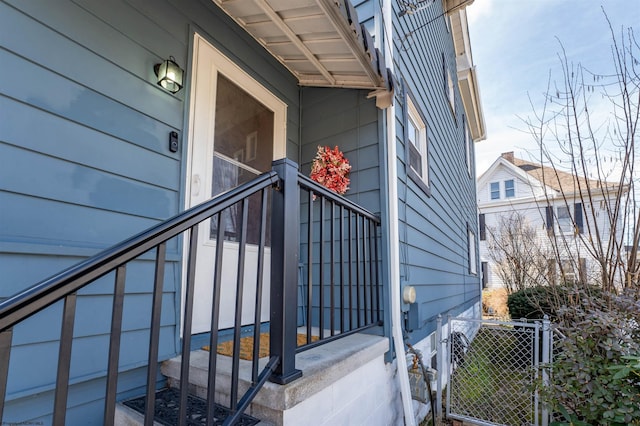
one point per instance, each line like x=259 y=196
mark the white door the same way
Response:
x=237 y=129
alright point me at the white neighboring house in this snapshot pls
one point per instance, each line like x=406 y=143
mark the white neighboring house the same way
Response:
x=554 y=204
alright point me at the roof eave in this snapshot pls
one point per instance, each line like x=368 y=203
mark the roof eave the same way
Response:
x=321 y=42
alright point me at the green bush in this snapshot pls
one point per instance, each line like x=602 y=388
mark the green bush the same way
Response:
x=535 y=302
x=595 y=374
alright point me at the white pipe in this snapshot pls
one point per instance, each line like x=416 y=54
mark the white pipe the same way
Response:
x=394 y=245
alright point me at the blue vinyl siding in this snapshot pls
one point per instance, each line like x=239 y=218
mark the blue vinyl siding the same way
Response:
x=85 y=163
x=433 y=227
x=347 y=119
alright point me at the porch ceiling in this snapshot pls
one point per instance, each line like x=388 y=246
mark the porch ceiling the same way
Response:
x=320 y=41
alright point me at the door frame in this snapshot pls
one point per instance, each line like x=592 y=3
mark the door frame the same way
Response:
x=207 y=61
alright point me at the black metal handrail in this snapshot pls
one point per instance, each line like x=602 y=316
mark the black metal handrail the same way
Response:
x=352 y=281
x=64 y=286
x=24 y=304
x=346 y=266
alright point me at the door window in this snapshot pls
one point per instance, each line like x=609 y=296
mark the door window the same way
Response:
x=243 y=146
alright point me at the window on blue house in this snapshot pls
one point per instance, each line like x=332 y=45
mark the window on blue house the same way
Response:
x=417 y=146
x=449 y=88
x=509 y=188
x=473 y=255
x=495 y=190
x=467 y=149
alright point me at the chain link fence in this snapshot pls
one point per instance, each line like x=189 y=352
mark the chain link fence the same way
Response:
x=491 y=369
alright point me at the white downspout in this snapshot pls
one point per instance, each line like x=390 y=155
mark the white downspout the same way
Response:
x=394 y=242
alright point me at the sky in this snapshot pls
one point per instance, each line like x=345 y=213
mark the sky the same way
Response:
x=515 y=46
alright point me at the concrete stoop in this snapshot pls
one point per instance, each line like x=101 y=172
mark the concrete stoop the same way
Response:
x=321 y=368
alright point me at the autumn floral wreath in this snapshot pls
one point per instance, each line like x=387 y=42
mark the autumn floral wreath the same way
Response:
x=331 y=169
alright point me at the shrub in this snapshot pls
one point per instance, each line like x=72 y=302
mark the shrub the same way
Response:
x=595 y=377
x=534 y=302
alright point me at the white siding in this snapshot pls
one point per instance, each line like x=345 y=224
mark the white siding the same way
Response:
x=530 y=202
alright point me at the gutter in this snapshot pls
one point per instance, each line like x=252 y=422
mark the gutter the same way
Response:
x=394 y=245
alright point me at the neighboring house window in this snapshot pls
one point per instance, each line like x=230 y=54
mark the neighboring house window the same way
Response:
x=495 y=190
x=485 y=274
x=549 y=219
x=473 y=257
x=567 y=271
x=565 y=224
x=577 y=215
x=573 y=270
x=417 y=155
x=509 y=188
x=483 y=227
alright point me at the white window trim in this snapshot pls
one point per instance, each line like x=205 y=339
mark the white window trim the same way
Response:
x=449 y=87
x=472 y=252
x=467 y=148
x=451 y=92
x=414 y=115
x=491 y=191
x=505 y=188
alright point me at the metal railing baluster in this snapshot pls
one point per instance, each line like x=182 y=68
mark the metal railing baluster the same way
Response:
x=215 y=318
x=235 y=360
x=310 y=267
x=350 y=263
x=342 y=302
x=321 y=272
x=259 y=285
x=154 y=334
x=186 y=326
x=377 y=279
x=5 y=353
x=114 y=345
x=332 y=280
x=64 y=360
x=358 y=267
x=372 y=268
x=365 y=303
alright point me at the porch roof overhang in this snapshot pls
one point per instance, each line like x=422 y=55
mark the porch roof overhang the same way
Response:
x=320 y=41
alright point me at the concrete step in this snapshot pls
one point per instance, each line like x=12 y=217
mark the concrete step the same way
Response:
x=127 y=416
x=321 y=367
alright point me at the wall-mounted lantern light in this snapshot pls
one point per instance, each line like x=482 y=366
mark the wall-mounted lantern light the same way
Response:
x=169 y=74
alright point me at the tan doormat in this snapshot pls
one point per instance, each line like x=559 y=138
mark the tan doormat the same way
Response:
x=246 y=346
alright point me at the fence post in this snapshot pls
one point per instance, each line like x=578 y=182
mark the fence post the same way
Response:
x=440 y=365
x=546 y=359
x=285 y=246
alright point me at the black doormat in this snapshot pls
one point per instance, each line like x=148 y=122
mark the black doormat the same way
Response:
x=168 y=405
